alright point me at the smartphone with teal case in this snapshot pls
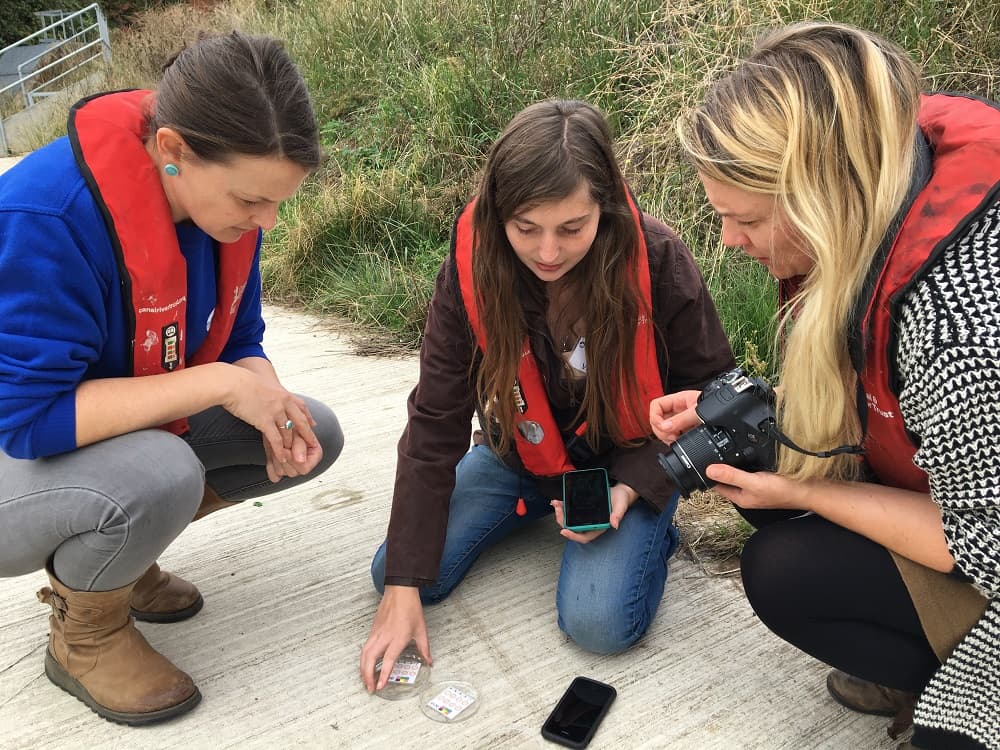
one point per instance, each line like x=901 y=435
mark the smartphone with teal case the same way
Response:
x=586 y=500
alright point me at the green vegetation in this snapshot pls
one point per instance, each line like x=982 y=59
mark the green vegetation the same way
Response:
x=410 y=94
x=18 y=19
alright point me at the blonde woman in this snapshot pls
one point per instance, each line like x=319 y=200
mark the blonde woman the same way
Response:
x=877 y=210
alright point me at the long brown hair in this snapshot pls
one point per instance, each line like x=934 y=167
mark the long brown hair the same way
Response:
x=546 y=152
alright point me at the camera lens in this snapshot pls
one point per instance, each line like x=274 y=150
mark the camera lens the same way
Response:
x=691 y=454
x=684 y=480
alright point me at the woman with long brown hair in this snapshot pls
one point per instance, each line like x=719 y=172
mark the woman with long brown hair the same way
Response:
x=560 y=312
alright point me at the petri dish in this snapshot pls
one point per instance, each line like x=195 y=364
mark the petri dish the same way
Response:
x=449 y=701
x=409 y=674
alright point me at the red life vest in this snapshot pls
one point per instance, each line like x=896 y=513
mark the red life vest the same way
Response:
x=106 y=132
x=964 y=135
x=545 y=453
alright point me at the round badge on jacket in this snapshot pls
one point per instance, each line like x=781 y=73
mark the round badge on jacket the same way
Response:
x=531 y=431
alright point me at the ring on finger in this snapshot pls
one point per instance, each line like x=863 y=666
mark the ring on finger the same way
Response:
x=289 y=424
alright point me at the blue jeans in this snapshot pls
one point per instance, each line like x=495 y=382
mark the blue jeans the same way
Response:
x=608 y=590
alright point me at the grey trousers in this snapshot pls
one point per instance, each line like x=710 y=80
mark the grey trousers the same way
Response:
x=104 y=513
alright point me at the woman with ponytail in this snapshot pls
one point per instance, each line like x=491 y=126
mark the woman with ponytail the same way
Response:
x=136 y=392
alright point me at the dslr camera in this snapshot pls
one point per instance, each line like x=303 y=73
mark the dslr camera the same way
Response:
x=738 y=430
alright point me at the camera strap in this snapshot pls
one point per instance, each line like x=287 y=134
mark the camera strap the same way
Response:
x=776 y=434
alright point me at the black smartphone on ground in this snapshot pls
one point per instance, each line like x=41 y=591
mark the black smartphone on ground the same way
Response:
x=579 y=712
x=586 y=500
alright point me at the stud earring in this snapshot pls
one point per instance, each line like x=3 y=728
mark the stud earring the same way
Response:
x=171 y=169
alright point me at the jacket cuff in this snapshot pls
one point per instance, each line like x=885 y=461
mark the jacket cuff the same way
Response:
x=402 y=581
x=640 y=469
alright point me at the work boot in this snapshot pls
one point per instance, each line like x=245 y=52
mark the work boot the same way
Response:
x=96 y=654
x=870 y=698
x=160 y=596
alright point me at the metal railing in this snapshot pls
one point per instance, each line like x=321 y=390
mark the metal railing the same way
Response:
x=73 y=41
x=49 y=18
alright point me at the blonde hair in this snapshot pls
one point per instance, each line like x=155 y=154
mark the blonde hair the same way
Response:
x=823 y=117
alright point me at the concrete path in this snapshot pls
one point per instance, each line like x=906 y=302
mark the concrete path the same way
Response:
x=289 y=603
x=6 y=162
x=24 y=128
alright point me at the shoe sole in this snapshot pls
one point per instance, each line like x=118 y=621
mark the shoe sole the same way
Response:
x=61 y=678
x=176 y=616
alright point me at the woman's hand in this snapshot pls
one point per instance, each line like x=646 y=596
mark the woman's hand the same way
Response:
x=304 y=458
x=623 y=497
x=761 y=489
x=256 y=397
x=398 y=620
x=672 y=415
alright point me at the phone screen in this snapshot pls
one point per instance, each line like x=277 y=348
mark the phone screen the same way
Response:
x=585 y=497
x=575 y=718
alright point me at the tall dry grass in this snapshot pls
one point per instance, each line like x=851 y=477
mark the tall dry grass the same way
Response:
x=410 y=94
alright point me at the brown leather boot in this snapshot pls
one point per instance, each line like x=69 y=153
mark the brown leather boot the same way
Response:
x=211 y=502
x=96 y=654
x=160 y=596
x=870 y=698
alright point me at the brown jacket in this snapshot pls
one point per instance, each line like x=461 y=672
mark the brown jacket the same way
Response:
x=691 y=348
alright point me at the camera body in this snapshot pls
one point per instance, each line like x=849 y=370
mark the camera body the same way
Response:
x=737 y=412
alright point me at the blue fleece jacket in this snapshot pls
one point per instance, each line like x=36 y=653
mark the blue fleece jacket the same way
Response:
x=62 y=316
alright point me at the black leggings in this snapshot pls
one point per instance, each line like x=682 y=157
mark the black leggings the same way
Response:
x=836 y=595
